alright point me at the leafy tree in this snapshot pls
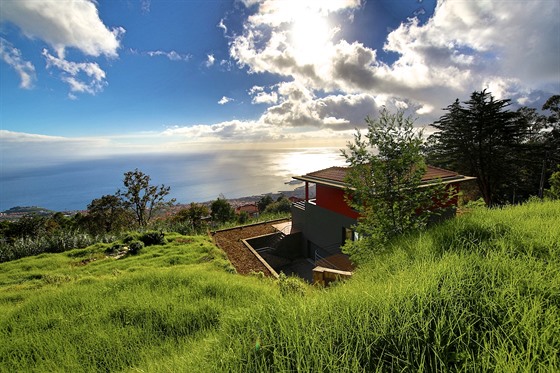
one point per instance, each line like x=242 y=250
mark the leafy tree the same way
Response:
x=385 y=175
x=194 y=215
x=554 y=191
x=107 y=214
x=243 y=217
x=282 y=204
x=221 y=210
x=481 y=139
x=552 y=136
x=263 y=202
x=142 y=198
x=29 y=225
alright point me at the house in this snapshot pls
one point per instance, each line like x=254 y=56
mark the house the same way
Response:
x=251 y=209
x=325 y=223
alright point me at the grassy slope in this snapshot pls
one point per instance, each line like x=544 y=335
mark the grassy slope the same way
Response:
x=478 y=293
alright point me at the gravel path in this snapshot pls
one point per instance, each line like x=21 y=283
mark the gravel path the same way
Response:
x=238 y=254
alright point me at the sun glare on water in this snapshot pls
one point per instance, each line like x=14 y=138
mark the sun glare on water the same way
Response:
x=304 y=161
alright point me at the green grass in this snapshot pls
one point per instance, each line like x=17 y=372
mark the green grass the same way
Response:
x=479 y=293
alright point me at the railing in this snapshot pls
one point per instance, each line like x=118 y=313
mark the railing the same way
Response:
x=273 y=245
x=321 y=261
x=300 y=205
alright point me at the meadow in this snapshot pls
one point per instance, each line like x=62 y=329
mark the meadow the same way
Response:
x=477 y=293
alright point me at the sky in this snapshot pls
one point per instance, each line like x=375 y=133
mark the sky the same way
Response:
x=85 y=78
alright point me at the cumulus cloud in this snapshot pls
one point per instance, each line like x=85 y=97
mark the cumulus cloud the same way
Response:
x=511 y=48
x=230 y=130
x=81 y=77
x=259 y=96
x=12 y=56
x=210 y=59
x=224 y=100
x=64 y=24
x=255 y=132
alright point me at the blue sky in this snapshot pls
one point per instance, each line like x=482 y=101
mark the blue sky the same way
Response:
x=84 y=79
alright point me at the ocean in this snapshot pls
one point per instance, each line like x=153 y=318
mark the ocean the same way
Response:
x=193 y=177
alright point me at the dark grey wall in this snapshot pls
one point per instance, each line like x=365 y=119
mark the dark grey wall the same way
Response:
x=324 y=228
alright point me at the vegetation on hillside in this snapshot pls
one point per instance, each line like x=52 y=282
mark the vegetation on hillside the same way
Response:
x=476 y=293
x=385 y=173
x=511 y=153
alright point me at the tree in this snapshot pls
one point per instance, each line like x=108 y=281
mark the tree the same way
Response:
x=263 y=202
x=221 y=210
x=554 y=191
x=552 y=136
x=107 y=214
x=142 y=198
x=481 y=139
x=385 y=174
x=282 y=205
x=194 y=215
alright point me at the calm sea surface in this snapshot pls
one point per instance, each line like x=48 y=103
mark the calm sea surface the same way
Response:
x=193 y=177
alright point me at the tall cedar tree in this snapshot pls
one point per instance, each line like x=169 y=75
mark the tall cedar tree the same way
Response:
x=385 y=182
x=142 y=198
x=552 y=141
x=481 y=139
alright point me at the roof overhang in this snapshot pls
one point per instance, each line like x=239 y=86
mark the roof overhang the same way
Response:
x=424 y=184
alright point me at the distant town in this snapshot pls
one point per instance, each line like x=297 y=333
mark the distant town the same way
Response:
x=17 y=212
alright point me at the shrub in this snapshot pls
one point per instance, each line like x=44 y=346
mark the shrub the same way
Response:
x=291 y=285
x=135 y=246
x=153 y=238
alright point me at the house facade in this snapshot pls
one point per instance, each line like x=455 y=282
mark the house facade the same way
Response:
x=326 y=222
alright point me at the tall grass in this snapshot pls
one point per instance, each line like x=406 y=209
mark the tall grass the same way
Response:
x=56 y=243
x=59 y=314
x=479 y=293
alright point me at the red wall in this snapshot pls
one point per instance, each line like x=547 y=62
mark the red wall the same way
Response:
x=333 y=199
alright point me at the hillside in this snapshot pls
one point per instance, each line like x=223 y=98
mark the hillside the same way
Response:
x=479 y=293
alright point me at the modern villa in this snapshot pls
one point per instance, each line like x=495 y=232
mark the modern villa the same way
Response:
x=326 y=222
x=309 y=244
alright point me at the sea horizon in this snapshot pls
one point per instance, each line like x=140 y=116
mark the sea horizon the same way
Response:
x=193 y=177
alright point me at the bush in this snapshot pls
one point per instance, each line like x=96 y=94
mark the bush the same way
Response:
x=153 y=238
x=282 y=205
x=135 y=246
x=291 y=285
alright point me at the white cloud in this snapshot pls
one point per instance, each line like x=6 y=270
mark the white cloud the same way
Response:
x=512 y=48
x=224 y=100
x=63 y=24
x=145 y=6
x=173 y=55
x=19 y=150
x=210 y=59
x=223 y=26
x=253 y=132
x=261 y=97
x=82 y=77
x=25 y=69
